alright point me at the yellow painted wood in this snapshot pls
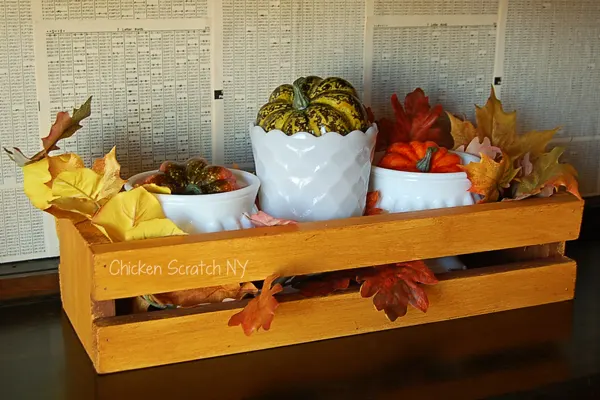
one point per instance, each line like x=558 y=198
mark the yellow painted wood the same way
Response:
x=178 y=263
x=165 y=337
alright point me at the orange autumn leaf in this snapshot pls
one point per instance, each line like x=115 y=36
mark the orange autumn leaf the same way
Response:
x=371 y=205
x=259 y=312
x=546 y=176
x=489 y=178
x=395 y=286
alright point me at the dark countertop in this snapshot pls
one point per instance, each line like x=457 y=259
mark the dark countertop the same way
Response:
x=551 y=351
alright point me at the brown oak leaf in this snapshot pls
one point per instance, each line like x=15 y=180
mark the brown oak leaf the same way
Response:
x=194 y=297
x=66 y=125
x=395 y=286
x=259 y=312
x=324 y=284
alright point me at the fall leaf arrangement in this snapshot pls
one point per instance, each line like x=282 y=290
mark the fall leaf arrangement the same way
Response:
x=64 y=187
x=512 y=166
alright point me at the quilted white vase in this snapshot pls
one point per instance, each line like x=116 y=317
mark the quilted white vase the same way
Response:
x=209 y=212
x=401 y=191
x=309 y=178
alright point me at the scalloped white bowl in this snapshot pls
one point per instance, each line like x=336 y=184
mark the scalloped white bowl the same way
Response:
x=309 y=178
x=209 y=212
x=401 y=191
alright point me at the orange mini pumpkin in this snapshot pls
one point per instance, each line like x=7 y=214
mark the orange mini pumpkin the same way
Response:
x=420 y=157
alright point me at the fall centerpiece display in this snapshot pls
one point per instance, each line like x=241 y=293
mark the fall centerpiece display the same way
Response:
x=313 y=145
x=130 y=275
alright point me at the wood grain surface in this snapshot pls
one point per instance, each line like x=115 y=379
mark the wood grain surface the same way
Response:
x=144 y=340
x=178 y=263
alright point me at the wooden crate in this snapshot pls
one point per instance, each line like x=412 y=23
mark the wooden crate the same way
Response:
x=524 y=239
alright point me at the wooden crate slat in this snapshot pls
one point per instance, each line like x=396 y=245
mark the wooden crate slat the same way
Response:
x=133 y=342
x=328 y=246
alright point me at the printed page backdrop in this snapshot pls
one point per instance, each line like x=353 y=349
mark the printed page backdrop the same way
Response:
x=173 y=79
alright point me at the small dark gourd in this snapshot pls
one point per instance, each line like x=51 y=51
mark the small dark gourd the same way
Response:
x=314 y=105
x=193 y=177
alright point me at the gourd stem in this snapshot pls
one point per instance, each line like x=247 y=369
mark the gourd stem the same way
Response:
x=300 y=102
x=424 y=164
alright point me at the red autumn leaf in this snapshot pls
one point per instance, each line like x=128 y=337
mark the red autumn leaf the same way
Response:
x=371 y=206
x=259 y=311
x=261 y=219
x=416 y=121
x=395 y=286
x=325 y=284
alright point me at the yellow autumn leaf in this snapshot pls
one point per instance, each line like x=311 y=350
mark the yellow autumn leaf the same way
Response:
x=64 y=162
x=38 y=180
x=35 y=178
x=110 y=170
x=463 y=132
x=494 y=123
x=489 y=178
x=133 y=215
x=548 y=175
x=84 y=207
x=154 y=188
x=152 y=229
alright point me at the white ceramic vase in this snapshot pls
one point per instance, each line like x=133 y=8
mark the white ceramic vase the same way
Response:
x=401 y=191
x=209 y=212
x=308 y=178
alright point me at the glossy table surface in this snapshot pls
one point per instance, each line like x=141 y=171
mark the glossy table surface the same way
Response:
x=551 y=351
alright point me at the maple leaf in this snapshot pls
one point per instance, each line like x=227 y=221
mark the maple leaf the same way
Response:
x=478 y=148
x=194 y=297
x=259 y=312
x=463 y=132
x=546 y=176
x=415 y=121
x=395 y=286
x=500 y=128
x=133 y=215
x=324 y=284
x=371 y=204
x=110 y=171
x=489 y=178
x=262 y=219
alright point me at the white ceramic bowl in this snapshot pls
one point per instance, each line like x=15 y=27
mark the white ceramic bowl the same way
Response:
x=309 y=178
x=209 y=212
x=401 y=191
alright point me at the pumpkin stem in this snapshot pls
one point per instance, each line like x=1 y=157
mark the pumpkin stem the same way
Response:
x=300 y=102
x=424 y=164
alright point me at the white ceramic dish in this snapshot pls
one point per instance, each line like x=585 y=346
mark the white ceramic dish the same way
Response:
x=309 y=178
x=401 y=191
x=209 y=212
